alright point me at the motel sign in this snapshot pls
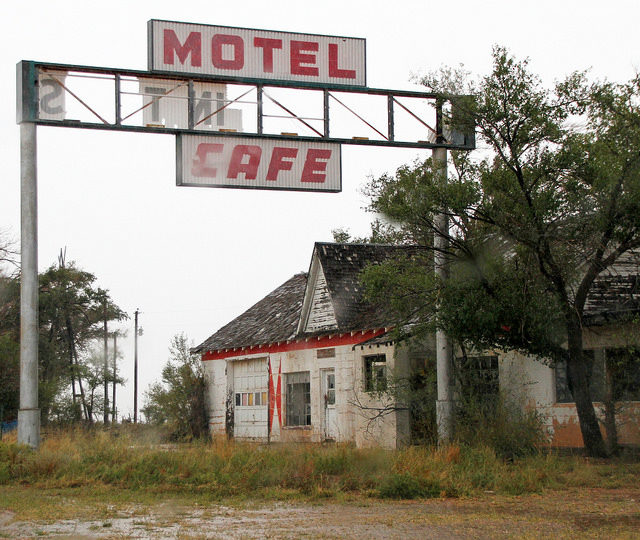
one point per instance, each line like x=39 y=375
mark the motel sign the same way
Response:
x=220 y=51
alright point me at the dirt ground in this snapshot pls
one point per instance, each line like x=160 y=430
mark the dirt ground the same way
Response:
x=584 y=513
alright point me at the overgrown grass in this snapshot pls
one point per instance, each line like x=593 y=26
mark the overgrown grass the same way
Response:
x=221 y=469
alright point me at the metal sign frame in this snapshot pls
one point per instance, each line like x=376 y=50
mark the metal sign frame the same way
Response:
x=27 y=110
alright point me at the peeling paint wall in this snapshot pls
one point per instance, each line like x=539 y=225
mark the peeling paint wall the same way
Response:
x=533 y=381
x=352 y=424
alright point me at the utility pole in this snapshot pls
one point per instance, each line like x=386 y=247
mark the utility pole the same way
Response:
x=135 y=371
x=115 y=373
x=105 y=371
x=444 y=404
x=29 y=413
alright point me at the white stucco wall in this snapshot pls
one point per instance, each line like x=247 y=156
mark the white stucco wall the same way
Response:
x=532 y=383
x=353 y=422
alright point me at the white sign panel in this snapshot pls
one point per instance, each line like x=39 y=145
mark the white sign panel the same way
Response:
x=243 y=162
x=166 y=103
x=256 y=54
x=51 y=95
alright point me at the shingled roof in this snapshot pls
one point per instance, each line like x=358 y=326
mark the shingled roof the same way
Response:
x=277 y=317
x=272 y=319
x=342 y=265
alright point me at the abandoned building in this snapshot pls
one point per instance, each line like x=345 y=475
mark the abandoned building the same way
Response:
x=308 y=361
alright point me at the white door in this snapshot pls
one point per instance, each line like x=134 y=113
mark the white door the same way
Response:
x=250 y=398
x=330 y=426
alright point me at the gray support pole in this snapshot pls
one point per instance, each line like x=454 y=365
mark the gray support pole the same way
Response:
x=444 y=404
x=114 y=412
x=29 y=413
x=105 y=370
x=135 y=371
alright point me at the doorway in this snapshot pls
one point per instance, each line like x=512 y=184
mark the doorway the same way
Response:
x=330 y=426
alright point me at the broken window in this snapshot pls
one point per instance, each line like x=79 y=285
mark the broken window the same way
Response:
x=624 y=368
x=375 y=373
x=595 y=374
x=298 y=398
x=477 y=379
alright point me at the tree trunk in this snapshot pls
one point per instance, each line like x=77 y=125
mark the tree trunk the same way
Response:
x=579 y=384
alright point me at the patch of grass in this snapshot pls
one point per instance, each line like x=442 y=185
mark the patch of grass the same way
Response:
x=114 y=470
x=405 y=486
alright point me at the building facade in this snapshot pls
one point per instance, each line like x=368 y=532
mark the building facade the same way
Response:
x=310 y=362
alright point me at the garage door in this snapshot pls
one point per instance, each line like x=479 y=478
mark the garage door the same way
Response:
x=251 y=400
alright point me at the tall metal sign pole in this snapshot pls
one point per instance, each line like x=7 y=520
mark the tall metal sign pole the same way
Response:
x=135 y=370
x=444 y=405
x=29 y=413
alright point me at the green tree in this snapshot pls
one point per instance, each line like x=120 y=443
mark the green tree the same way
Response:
x=72 y=311
x=9 y=328
x=179 y=400
x=91 y=371
x=9 y=346
x=553 y=201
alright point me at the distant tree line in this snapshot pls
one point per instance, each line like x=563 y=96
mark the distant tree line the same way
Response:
x=71 y=370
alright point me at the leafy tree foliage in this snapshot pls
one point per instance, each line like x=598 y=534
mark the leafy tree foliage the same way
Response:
x=72 y=311
x=9 y=329
x=71 y=314
x=9 y=348
x=178 y=402
x=553 y=201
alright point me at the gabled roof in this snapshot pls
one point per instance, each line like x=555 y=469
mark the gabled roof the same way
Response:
x=272 y=319
x=333 y=284
x=340 y=265
x=277 y=317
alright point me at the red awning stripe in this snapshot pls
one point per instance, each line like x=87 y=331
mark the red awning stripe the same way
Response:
x=298 y=345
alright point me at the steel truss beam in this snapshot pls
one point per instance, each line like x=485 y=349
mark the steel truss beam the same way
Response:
x=30 y=73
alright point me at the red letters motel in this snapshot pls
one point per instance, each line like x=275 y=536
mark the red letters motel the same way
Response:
x=257 y=163
x=255 y=54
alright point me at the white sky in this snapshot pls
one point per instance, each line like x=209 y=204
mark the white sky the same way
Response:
x=192 y=259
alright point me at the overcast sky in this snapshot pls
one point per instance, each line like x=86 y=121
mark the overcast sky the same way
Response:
x=192 y=259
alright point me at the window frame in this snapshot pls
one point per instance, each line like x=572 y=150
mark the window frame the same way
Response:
x=372 y=365
x=297 y=415
x=625 y=378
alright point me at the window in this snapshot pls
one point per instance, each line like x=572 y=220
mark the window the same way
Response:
x=623 y=367
x=595 y=374
x=298 y=399
x=478 y=379
x=330 y=396
x=375 y=373
x=249 y=399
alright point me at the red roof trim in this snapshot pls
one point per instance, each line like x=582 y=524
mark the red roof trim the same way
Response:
x=351 y=338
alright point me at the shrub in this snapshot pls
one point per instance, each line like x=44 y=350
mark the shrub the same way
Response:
x=503 y=425
x=406 y=486
x=178 y=404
